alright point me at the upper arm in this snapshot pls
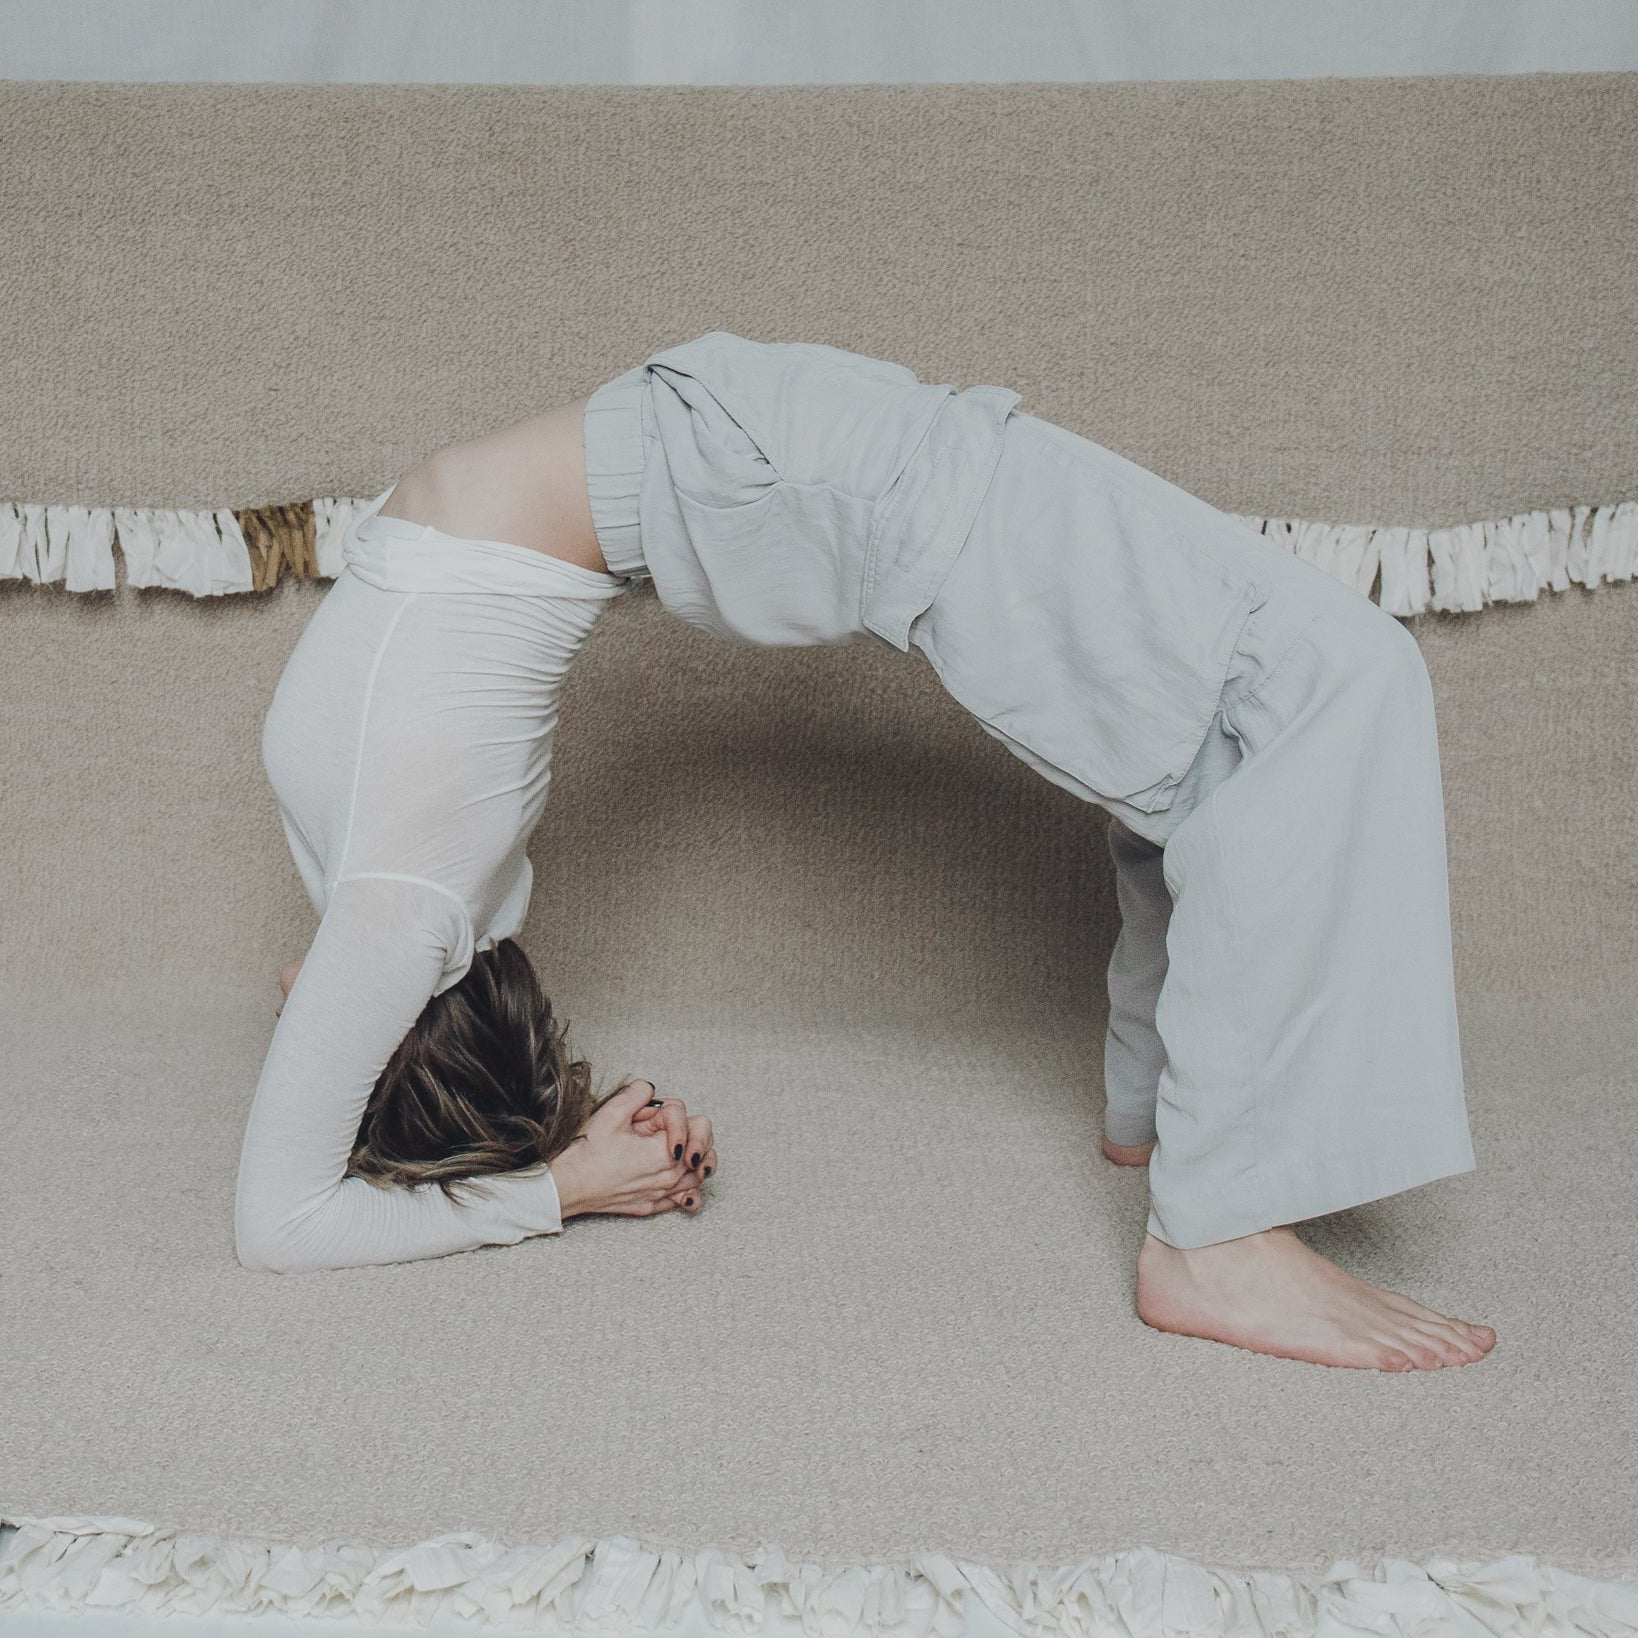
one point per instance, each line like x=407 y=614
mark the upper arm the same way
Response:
x=374 y=963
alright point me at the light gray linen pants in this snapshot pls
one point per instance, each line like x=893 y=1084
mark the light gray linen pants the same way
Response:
x=1282 y=1013
x=1282 y=1007
x=1282 y=1002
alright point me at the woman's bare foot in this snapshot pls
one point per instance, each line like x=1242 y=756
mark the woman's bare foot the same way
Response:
x=1128 y=1155
x=1274 y=1295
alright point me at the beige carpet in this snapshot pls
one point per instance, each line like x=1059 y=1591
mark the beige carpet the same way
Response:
x=803 y=890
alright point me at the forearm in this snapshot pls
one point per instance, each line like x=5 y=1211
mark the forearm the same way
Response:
x=374 y=962
x=357 y=1222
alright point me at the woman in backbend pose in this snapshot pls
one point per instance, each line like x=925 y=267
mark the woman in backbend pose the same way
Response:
x=1282 y=1034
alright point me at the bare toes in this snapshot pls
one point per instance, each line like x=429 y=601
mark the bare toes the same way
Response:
x=1428 y=1345
x=1481 y=1336
x=1458 y=1347
x=1458 y=1350
x=1474 y=1337
x=1449 y=1336
x=1426 y=1355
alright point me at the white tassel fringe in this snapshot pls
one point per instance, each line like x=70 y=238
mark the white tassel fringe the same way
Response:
x=1459 y=568
x=616 y=1586
x=202 y=552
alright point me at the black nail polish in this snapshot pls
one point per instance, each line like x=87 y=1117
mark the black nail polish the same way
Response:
x=676 y=1151
x=709 y=1170
x=689 y=1201
x=694 y=1159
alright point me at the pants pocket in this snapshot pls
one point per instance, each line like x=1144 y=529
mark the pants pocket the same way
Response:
x=1081 y=620
x=711 y=453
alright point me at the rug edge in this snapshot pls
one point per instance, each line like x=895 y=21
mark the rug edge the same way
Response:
x=615 y=1585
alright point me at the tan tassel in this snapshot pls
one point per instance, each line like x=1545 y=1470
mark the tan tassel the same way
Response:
x=279 y=537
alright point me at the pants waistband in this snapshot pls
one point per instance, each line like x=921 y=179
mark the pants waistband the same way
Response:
x=614 y=468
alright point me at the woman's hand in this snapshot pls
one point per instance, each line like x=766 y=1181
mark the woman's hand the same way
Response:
x=689 y=1136
x=626 y=1158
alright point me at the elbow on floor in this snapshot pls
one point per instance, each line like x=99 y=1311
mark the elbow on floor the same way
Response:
x=263 y=1240
x=268 y=1254
x=259 y=1259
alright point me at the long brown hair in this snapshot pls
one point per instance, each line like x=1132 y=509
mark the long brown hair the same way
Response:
x=484 y=1082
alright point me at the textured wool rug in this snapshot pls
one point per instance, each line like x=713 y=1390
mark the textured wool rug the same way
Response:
x=894 y=1364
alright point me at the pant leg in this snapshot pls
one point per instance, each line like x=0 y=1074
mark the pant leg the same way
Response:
x=1308 y=1012
x=1132 y=1051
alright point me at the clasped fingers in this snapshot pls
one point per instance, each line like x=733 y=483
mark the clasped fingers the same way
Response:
x=689 y=1137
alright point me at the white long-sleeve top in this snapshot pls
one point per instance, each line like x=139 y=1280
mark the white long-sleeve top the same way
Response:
x=408 y=744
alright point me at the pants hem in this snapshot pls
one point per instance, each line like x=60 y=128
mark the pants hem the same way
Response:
x=1188 y=1231
x=1130 y=1131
